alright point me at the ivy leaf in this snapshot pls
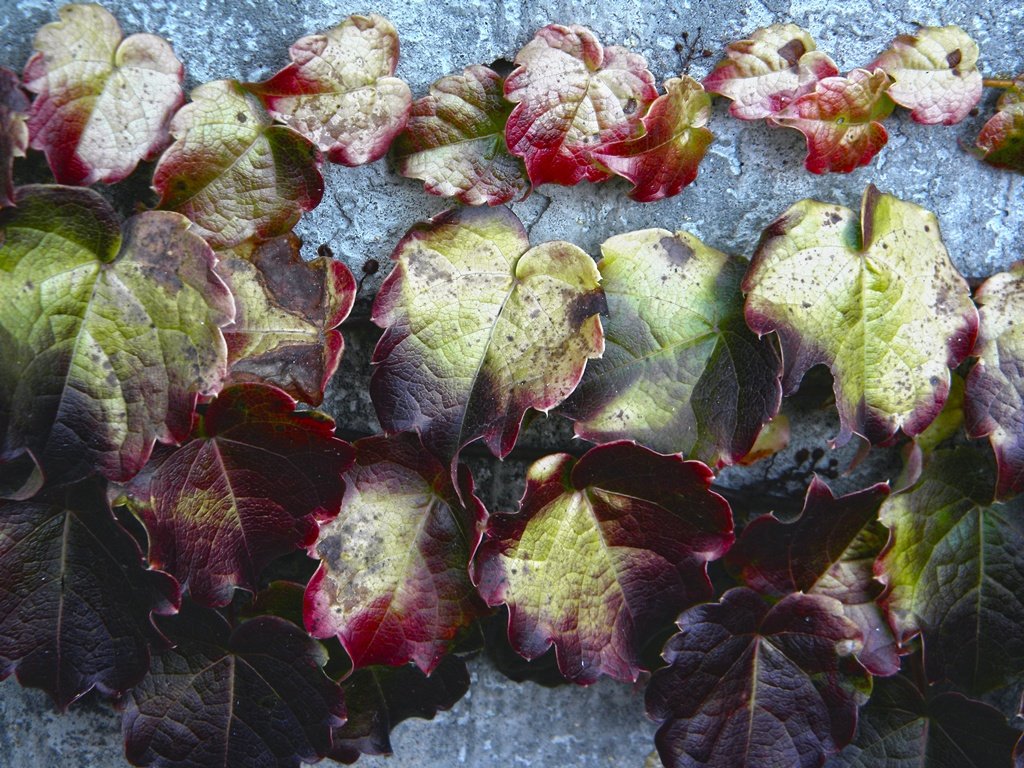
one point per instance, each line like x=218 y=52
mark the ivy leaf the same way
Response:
x=830 y=549
x=749 y=683
x=285 y=331
x=234 y=172
x=479 y=327
x=765 y=74
x=1001 y=140
x=103 y=101
x=394 y=583
x=841 y=120
x=681 y=371
x=252 y=695
x=952 y=570
x=379 y=698
x=455 y=141
x=109 y=331
x=573 y=95
x=14 y=107
x=899 y=727
x=339 y=92
x=877 y=300
x=665 y=158
x=77 y=597
x=935 y=74
x=994 y=399
x=602 y=552
x=252 y=484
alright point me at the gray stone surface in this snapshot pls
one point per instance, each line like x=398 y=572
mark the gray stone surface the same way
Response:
x=751 y=174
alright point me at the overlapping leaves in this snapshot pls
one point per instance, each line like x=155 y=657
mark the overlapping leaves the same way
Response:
x=1001 y=140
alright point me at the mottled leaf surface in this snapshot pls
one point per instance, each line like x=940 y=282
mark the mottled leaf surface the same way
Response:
x=455 y=141
x=954 y=572
x=394 y=582
x=754 y=684
x=287 y=313
x=234 y=172
x=573 y=95
x=665 y=157
x=102 y=102
x=900 y=727
x=935 y=74
x=255 y=695
x=13 y=130
x=77 y=598
x=339 y=91
x=1001 y=140
x=830 y=549
x=109 y=331
x=841 y=120
x=681 y=371
x=252 y=484
x=603 y=552
x=874 y=297
x=766 y=73
x=479 y=327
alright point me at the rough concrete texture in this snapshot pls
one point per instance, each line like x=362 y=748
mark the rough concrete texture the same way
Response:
x=752 y=173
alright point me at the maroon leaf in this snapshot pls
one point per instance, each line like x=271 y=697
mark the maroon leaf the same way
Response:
x=14 y=106
x=755 y=684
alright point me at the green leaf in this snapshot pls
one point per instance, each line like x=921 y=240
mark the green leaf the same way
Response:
x=1001 y=140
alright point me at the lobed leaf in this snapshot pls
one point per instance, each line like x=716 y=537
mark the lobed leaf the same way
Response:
x=393 y=584
x=14 y=106
x=664 y=159
x=935 y=74
x=102 y=101
x=252 y=695
x=954 y=572
x=841 y=120
x=77 y=599
x=602 y=553
x=455 y=141
x=232 y=171
x=251 y=485
x=1001 y=140
x=339 y=92
x=287 y=313
x=681 y=371
x=109 y=332
x=573 y=95
x=751 y=684
x=765 y=74
x=876 y=299
x=479 y=327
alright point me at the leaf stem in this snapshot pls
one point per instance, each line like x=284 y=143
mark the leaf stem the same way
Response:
x=998 y=83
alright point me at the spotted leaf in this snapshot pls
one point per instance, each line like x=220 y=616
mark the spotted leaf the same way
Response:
x=1001 y=140
x=13 y=131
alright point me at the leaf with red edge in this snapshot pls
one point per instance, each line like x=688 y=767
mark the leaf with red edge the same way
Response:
x=479 y=327
x=455 y=141
x=994 y=399
x=77 y=599
x=934 y=74
x=109 y=331
x=602 y=553
x=573 y=95
x=252 y=484
x=339 y=90
x=379 y=698
x=1001 y=140
x=755 y=684
x=287 y=313
x=841 y=120
x=765 y=74
x=394 y=583
x=102 y=101
x=233 y=171
x=248 y=696
x=830 y=549
x=665 y=158
x=876 y=298
x=14 y=106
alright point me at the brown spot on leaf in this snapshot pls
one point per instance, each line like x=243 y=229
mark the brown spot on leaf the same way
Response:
x=678 y=252
x=586 y=305
x=240 y=117
x=792 y=51
x=953 y=59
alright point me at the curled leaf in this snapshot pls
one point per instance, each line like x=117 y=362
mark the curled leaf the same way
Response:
x=14 y=106
x=573 y=95
x=1001 y=140
x=455 y=141
x=102 y=102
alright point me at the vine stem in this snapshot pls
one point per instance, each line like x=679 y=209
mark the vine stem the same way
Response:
x=997 y=83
